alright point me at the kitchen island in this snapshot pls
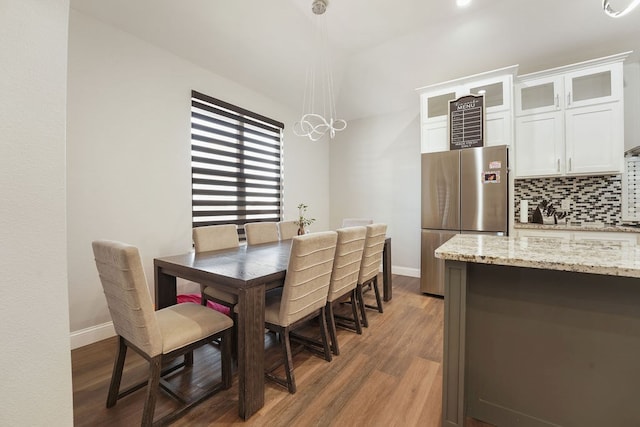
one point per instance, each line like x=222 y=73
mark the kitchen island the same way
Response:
x=541 y=331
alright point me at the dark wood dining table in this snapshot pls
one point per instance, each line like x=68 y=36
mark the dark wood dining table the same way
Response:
x=246 y=271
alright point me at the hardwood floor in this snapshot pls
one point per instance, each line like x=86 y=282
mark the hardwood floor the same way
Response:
x=389 y=376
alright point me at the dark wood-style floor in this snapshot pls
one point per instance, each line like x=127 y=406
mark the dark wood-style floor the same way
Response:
x=389 y=376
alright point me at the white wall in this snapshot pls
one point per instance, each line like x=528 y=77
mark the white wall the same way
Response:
x=34 y=320
x=375 y=173
x=128 y=155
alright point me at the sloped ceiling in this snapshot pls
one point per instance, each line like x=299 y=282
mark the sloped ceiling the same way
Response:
x=382 y=49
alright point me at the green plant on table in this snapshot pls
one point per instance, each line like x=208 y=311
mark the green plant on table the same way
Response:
x=303 y=222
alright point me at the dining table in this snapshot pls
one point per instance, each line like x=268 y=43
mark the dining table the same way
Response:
x=247 y=271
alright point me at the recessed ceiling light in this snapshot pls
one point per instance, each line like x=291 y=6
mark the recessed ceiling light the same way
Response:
x=463 y=3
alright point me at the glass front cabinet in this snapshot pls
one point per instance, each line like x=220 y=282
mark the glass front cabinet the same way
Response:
x=497 y=87
x=570 y=120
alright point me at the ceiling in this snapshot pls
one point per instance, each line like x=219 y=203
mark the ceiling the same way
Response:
x=382 y=49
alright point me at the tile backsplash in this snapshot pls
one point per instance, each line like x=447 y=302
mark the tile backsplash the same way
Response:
x=594 y=199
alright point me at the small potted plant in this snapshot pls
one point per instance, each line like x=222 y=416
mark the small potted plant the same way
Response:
x=303 y=222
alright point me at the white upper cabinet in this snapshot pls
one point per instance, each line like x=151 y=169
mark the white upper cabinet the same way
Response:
x=537 y=96
x=594 y=85
x=497 y=87
x=570 y=120
x=539 y=144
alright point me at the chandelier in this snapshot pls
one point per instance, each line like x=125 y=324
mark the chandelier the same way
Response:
x=318 y=106
x=612 y=13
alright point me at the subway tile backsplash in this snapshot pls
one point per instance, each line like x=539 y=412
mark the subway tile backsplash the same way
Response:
x=594 y=199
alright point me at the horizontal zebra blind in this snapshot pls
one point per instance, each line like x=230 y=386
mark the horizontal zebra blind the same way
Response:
x=235 y=164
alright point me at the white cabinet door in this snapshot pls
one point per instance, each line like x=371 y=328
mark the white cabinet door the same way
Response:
x=594 y=139
x=435 y=105
x=593 y=86
x=434 y=137
x=541 y=95
x=497 y=92
x=539 y=151
x=498 y=128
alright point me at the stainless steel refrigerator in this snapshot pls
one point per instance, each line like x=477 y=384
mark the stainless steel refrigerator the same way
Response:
x=463 y=191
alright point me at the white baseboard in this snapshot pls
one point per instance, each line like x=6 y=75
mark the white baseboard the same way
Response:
x=406 y=271
x=90 y=335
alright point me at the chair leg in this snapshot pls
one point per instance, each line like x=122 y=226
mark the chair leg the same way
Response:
x=377 y=292
x=323 y=334
x=363 y=312
x=203 y=299
x=234 y=334
x=225 y=357
x=331 y=323
x=116 y=376
x=288 y=361
x=188 y=359
x=155 y=366
x=354 y=311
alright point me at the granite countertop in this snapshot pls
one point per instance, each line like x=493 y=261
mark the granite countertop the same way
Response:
x=613 y=258
x=583 y=227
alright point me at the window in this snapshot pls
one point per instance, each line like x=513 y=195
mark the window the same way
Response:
x=236 y=159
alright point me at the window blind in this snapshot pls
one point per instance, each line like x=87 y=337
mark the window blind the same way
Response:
x=236 y=159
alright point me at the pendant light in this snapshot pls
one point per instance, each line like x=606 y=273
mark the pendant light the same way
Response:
x=319 y=116
x=612 y=13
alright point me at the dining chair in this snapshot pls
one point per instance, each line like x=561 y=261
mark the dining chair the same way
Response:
x=213 y=238
x=303 y=297
x=261 y=232
x=344 y=280
x=158 y=336
x=354 y=222
x=287 y=229
x=370 y=267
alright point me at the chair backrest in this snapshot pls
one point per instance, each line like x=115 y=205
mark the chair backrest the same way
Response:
x=215 y=237
x=287 y=229
x=306 y=284
x=261 y=232
x=346 y=263
x=372 y=254
x=354 y=222
x=125 y=288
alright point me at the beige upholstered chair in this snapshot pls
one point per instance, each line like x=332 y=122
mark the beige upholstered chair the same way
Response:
x=287 y=229
x=344 y=279
x=261 y=232
x=213 y=238
x=158 y=336
x=355 y=222
x=370 y=267
x=303 y=297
